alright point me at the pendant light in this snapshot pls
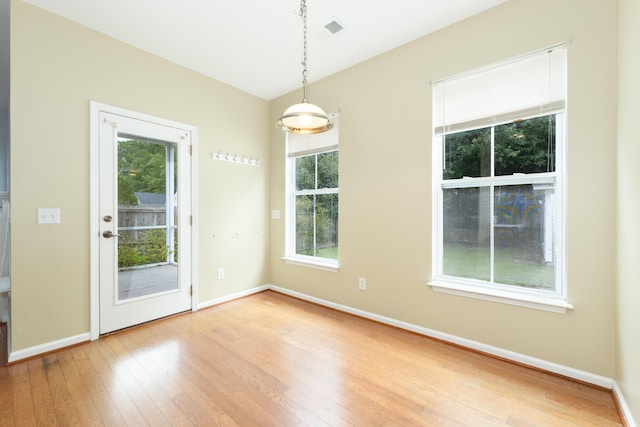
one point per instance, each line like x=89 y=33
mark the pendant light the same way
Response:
x=304 y=117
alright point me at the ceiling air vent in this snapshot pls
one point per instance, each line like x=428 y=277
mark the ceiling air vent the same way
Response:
x=330 y=29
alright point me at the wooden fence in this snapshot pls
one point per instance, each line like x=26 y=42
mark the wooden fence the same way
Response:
x=146 y=216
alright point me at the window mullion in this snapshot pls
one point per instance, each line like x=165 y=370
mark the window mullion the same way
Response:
x=514 y=179
x=492 y=209
x=315 y=207
x=292 y=212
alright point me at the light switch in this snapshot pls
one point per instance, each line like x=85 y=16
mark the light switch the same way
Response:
x=48 y=215
x=275 y=214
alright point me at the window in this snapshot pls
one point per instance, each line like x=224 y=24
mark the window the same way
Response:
x=499 y=141
x=312 y=208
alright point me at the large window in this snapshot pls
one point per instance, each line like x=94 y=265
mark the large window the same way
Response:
x=312 y=209
x=499 y=141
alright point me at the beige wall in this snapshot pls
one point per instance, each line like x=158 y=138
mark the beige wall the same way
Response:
x=57 y=67
x=628 y=333
x=385 y=182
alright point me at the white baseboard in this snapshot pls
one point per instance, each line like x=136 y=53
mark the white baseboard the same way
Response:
x=231 y=297
x=37 y=350
x=566 y=371
x=624 y=408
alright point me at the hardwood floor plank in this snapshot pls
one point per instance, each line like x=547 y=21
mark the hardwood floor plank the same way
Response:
x=55 y=379
x=130 y=415
x=158 y=376
x=368 y=381
x=168 y=355
x=273 y=360
x=91 y=393
x=42 y=400
x=322 y=399
x=23 y=409
x=220 y=384
x=130 y=386
x=6 y=397
x=66 y=415
x=177 y=364
x=158 y=362
x=85 y=409
x=149 y=385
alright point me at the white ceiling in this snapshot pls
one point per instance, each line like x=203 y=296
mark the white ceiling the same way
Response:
x=256 y=45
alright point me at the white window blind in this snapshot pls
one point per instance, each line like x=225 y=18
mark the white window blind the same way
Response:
x=527 y=86
x=304 y=144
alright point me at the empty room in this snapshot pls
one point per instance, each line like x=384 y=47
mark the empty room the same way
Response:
x=310 y=212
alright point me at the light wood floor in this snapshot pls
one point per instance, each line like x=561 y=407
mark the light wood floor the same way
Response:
x=273 y=360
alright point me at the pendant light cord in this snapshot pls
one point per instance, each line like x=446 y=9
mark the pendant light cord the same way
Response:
x=304 y=117
x=303 y=14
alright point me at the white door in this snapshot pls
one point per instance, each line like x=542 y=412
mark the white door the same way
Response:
x=143 y=219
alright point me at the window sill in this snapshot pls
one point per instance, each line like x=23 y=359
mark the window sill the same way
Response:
x=312 y=264
x=536 y=302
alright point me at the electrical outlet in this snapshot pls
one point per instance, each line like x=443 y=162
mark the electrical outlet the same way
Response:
x=362 y=283
x=220 y=273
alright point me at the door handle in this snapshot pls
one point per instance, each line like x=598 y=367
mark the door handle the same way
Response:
x=108 y=234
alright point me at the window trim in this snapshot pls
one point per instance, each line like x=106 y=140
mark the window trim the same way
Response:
x=554 y=301
x=313 y=262
x=529 y=300
x=290 y=257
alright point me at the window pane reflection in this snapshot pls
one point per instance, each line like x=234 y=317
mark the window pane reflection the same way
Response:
x=467 y=243
x=524 y=244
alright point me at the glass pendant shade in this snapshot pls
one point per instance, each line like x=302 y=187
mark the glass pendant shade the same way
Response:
x=304 y=118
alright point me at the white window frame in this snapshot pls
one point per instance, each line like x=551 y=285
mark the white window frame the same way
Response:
x=329 y=145
x=555 y=300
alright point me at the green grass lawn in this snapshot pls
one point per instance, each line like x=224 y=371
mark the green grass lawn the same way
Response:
x=473 y=262
x=331 y=252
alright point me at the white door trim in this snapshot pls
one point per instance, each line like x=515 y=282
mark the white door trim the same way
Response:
x=94 y=236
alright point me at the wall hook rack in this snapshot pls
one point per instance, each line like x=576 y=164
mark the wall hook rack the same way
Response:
x=235 y=158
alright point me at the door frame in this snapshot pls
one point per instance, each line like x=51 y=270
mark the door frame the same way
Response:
x=94 y=222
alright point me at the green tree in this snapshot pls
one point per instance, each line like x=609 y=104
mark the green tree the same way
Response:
x=126 y=196
x=143 y=165
x=467 y=154
x=328 y=170
x=308 y=210
x=525 y=146
x=306 y=173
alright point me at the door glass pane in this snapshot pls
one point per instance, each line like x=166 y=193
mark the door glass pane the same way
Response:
x=466 y=228
x=524 y=237
x=147 y=249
